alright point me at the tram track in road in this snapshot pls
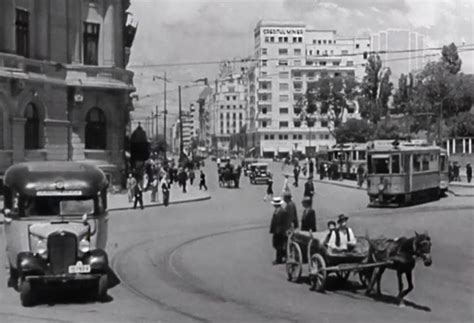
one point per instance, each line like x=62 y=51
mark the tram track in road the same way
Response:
x=173 y=274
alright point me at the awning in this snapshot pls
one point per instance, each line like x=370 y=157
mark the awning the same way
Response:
x=269 y=149
x=251 y=149
x=283 y=150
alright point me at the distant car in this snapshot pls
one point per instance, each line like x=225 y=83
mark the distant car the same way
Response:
x=213 y=158
x=246 y=165
x=258 y=173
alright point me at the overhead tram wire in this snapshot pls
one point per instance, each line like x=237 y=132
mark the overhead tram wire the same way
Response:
x=250 y=59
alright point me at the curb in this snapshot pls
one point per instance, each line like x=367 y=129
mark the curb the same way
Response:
x=330 y=182
x=196 y=199
x=457 y=194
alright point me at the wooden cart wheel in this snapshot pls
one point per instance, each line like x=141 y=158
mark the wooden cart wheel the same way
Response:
x=318 y=272
x=343 y=275
x=294 y=262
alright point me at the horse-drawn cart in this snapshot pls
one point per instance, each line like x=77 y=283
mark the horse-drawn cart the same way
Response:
x=305 y=247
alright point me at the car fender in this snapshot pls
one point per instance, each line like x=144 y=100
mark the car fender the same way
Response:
x=97 y=259
x=30 y=264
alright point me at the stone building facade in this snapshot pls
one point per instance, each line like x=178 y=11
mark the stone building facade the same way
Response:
x=64 y=89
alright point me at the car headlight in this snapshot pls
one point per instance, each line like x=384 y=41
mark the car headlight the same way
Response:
x=381 y=186
x=84 y=245
x=41 y=248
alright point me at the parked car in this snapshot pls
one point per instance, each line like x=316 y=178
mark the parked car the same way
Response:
x=258 y=173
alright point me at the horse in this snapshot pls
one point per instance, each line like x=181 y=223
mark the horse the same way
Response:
x=402 y=254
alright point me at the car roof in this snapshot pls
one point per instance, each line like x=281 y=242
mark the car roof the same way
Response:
x=30 y=177
x=259 y=164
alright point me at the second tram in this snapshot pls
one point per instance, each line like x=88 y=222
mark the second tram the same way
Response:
x=402 y=173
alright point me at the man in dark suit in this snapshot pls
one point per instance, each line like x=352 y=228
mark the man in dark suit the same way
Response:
x=308 y=219
x=278 y=228
x=290 y=208
x=309 y=189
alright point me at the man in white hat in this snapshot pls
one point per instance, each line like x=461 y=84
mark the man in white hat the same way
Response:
x=278 y=228
x=345 y=239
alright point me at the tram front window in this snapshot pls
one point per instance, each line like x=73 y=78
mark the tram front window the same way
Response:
x=44 y=206
x=380 y=165
x=395 y=164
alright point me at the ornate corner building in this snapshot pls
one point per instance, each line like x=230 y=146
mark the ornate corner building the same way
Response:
x=64 y=89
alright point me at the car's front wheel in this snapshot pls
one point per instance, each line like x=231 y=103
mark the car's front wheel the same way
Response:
x=27 y=295
x=102 y=286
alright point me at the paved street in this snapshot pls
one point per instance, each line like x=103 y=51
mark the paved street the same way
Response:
x=211 y=261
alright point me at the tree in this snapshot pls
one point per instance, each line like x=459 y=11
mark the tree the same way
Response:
x=450 y=58
x=354 y=130
x=328 y=99
x=389 y=129
x=376 y=89
x=158 y=144
x=461 y=125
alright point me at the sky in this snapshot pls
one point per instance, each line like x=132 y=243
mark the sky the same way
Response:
x=171 y=31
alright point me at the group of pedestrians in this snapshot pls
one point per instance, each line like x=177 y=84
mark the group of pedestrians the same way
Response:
x=156 y=177
x=454 y=172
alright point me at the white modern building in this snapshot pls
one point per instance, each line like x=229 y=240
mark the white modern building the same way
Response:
x=230 y=109
x=289 y=56
x=402 y=50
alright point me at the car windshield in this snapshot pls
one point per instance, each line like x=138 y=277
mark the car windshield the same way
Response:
x=44 y=206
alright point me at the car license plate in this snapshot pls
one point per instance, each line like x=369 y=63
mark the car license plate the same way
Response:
x=79 y=268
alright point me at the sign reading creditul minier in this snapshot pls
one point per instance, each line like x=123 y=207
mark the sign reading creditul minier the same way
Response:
x=282 y=31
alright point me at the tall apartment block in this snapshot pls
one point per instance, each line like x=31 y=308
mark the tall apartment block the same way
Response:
x=289 y=56
x=395 y=40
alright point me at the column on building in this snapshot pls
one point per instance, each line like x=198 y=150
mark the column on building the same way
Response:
x=42 y=32
x=18 y=139
x=454 y=146
x=75 y=31
x=448 y=147
x=470 y=146
x=109 y=33
x=463 y=145
x=7 y=32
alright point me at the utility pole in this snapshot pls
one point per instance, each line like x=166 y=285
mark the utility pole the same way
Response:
x=152 y=125
x=156 y=116
x=181 y=143
x=164 y=115
x=440 y=118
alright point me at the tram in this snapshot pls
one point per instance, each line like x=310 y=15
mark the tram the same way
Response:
x=349 y=157
x=402 y=173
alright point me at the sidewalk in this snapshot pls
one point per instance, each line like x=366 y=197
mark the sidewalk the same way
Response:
x=119 y=202
x=455 y=188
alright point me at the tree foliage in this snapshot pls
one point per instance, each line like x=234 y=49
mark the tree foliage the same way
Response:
x=354 y=130
x=376 y=90
x=462 y=125
x=389 y=129
x=328 y=99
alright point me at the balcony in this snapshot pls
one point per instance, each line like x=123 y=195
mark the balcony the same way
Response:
x=99 y=76
x=20 y=67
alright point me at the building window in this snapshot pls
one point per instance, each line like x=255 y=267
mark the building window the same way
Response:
x=283 y=62
x=272 y=39
x=234 y=98
x=324 y=41
x=32 y=127
x=222 y=107
x=283 y=110
x=310 y=74
x=264 y=110
x=335 y=63
x=329 y=41
x=297 y=62
x=267 y=39
x=319 y=41
x=272 y=137
x=349 y=63
x=22 y=32
x=324 y=123
x=284 y=98
x=228 y=107
x=344 y=52
x=283 y=75
x=295 y=39
x=264 y=62
x=300 y=137
x=285 y=39
x=297 y=124
x=233 y=115
x=91 y=43
x=280 y=137
x=322 y=63
x=265 y=137
x=96 y=129
x=297 y=51
x=264 y=124
x=283 y=124
x=282 y=51
x=285 y=137
x=264 y=51
x=357 y=46
x=280 y=39
x=298 y=86
x=284 y=87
